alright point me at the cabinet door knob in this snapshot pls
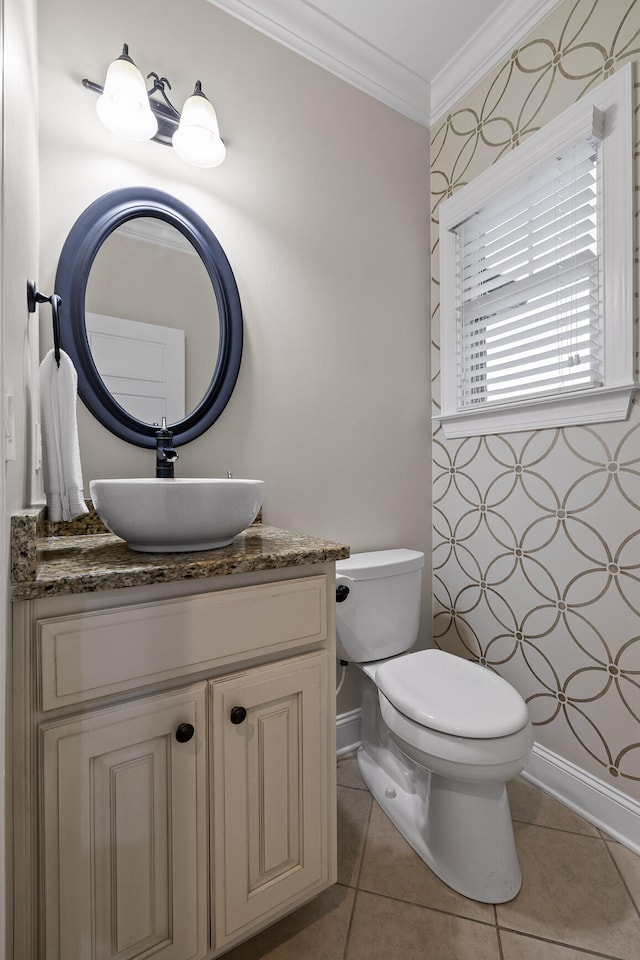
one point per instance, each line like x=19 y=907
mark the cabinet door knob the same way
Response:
x=238 y=714
x=184 y=732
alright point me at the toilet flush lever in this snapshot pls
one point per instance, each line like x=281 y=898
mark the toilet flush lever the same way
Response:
x=342 y=592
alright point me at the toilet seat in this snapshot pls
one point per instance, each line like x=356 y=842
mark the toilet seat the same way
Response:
x=460 y=758
x=448 y=694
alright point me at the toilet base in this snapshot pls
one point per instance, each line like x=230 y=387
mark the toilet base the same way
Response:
x=462 y=831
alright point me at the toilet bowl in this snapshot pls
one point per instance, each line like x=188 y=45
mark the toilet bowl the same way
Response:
x=441 y=736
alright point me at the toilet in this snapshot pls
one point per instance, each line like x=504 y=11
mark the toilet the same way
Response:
x=441 y=735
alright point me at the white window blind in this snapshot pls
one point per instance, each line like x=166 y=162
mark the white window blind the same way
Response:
x=536 y=256
x=528 y=267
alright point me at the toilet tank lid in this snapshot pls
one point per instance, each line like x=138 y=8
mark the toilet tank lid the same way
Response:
x=380 y=563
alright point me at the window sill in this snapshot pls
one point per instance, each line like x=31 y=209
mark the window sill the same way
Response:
x=603 y=405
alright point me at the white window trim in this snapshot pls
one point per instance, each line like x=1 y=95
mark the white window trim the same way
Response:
x=612 y=401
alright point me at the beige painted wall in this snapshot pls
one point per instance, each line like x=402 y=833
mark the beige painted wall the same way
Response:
x=536 y=540
x=322 y=209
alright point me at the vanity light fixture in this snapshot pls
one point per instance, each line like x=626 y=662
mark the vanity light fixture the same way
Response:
x=128 y=109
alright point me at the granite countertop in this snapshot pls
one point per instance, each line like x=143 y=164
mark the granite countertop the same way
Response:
x=84 y=557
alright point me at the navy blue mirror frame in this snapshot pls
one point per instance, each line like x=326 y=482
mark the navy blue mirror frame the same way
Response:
x=87 y=235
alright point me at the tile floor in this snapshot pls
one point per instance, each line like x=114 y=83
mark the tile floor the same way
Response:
x=580 y=896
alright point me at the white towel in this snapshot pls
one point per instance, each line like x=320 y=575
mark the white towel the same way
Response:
x=60 y=448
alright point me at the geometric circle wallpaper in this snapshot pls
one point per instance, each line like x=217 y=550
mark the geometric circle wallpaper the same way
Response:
x=536 y=550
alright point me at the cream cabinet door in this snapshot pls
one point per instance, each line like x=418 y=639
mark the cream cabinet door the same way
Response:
x=124 y=814
x=272 y=839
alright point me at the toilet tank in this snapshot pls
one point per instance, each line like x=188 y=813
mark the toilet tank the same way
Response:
x=379 y=615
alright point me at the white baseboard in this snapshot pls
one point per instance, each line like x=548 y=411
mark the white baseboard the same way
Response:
x=348 y=737
x=607 y=808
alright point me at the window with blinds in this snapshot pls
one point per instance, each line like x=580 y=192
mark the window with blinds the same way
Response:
x=536 y=277
x=528 y=267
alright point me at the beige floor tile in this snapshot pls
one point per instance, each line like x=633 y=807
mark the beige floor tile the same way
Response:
x=354 y=807
x=516 y=946
x=317 y=930
x=629 y=866
x=392 y=868
x=349 y=773
x=384 y=929
x=571 y=893
x=531 y=805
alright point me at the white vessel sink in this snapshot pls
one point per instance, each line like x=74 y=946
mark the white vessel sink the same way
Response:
x=163 y=516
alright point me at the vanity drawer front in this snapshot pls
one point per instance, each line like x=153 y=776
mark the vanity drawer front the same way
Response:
x=94 y=655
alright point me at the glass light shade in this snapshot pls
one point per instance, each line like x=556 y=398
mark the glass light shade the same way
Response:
x=123 y=106
x=197 y=139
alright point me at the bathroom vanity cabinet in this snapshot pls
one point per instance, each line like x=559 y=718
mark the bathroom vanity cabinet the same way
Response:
x=174 y=763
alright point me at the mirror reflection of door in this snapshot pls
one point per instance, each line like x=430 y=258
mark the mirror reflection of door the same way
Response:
x=141 y=364
x=147 y=272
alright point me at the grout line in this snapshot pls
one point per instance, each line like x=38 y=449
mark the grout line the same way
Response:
x=350 y=786
x=347 y=939
x=426 y=906
x=365 y=836
x=607 y=836
x=353 y=786
x=607 y=846
x=561 y=943
x=495 y=914
x=548 y=826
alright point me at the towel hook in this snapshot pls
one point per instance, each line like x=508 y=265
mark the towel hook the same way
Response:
x=34 y=297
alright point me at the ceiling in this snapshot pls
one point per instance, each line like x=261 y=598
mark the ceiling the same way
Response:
x=417 y=56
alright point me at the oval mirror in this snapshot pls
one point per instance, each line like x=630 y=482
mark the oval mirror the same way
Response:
x=150 y=316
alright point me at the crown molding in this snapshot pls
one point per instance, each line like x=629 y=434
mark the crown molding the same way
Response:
x=499 y=35
x=306 y=30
